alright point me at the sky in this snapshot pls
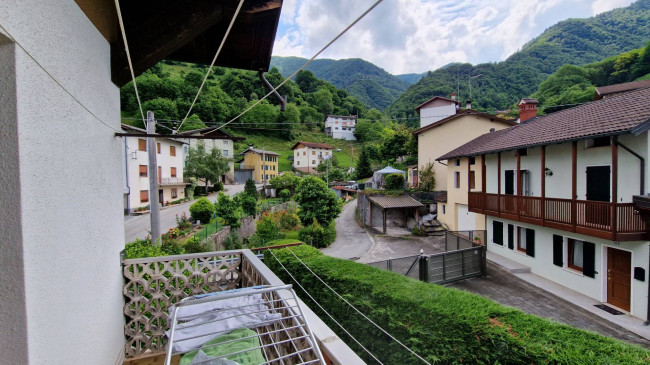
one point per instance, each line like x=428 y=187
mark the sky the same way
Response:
x=414 y=36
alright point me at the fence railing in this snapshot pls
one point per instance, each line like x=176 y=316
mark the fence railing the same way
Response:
x=464 y=258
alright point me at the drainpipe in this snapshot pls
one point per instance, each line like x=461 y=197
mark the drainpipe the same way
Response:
x=642 y=166
x=283 y=99
x=126 y=171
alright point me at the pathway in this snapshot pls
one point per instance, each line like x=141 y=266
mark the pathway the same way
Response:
x=351 y=241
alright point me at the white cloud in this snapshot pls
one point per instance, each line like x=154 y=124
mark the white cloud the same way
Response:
x=418 y=35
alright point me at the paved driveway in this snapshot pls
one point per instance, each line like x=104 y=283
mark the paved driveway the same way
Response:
x=351 y=240
x=505 y=288
x=392 y=247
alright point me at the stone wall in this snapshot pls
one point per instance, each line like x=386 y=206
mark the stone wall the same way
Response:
x=247 y=229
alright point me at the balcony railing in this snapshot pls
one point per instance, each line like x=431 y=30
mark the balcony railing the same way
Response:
x=173 y=181
x=613 y=221
x=152 y=285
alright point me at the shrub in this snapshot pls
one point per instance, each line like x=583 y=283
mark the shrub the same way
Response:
x=313 y=235
x=394 y=182
x=202 y=210
x=141 y=248
x=268 y=228
x=248 y=203
x=218 y=186
x=195 y=246
x=199 y=191
x=330 y=233
x=285 y=194
x=182 y=222
x=288 y=222
x=171 y=247
x=443 y=325
x=226 y=208
x=287 y=181
x=250 y=188
x=233 y=241
x=317 y=201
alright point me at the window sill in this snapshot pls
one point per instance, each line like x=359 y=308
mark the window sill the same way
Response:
x=573 y=271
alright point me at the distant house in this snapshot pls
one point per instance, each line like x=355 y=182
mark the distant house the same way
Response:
x=264 y=164
x=437 y=108
x=341 y=127
x=307 y=155
x=170 y=160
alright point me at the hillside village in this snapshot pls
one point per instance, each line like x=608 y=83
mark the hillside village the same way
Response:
x=253 y=208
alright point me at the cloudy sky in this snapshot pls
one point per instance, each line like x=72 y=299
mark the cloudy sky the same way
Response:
x=404 y=36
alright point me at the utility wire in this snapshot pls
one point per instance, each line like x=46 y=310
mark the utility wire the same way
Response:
x=323 y=309
x=358 y=311
x=56 y=81
x=223 y=41
x=128 y=58
x=306 y=63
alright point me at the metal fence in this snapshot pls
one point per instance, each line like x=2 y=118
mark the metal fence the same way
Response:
x=464 y=258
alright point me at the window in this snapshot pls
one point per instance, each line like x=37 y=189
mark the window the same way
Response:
x=173 y=172
x=174 y=193
x=142 y=144
x=143 y=170
x=472 y=179
x=457 y=180
x=575 y=254
x=511 y=236
x=472 y=160
x=313 y=153
x=457 y=162
x=225 y=153
x=313 y=162
x=304 y=153
x=443 y=209
x=497 y=232
x=526 y=241
x=523 y=152
x=144 y=196
x=598 y=142
x=172 y=151
x=521 y=235
x=225 y=141
x=158 y=148
x=298 y=163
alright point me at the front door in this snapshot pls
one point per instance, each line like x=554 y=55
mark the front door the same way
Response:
x=510 y=182
x=598 y=188
x=618 y=278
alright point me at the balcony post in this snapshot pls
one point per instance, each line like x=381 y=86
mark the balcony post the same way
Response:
x=498 y=183
x=517 y=200
x=574 y=191
x=614 y=186
x=483 y=174
x=469 y=169
x=543 y=174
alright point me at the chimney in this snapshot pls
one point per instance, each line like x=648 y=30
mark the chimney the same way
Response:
x=453 y=96
x=527 y=109
x=469 y=105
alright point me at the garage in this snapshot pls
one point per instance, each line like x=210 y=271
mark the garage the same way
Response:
x=466 y=219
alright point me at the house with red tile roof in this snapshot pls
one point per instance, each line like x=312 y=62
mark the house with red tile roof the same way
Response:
x=564 y=195
x=308 y=155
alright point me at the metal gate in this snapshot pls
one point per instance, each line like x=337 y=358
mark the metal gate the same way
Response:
x=241 y=176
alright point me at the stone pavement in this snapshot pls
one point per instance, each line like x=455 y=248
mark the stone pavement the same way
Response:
x=396 y=246
x=506 y=288
x=351 y=239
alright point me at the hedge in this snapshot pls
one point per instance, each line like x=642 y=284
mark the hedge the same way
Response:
x=444 y=325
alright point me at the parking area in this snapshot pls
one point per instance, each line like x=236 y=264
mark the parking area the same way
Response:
x=401 y=243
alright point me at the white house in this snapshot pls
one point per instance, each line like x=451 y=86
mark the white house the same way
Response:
x=557 y=192
x=307 y=155
x=437 y=108
x=170 y=159
x=341 y=126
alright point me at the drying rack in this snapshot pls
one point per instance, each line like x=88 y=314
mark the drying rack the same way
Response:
x=273 y=313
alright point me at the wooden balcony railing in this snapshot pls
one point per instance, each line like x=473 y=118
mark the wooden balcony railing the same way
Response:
x=616 y=222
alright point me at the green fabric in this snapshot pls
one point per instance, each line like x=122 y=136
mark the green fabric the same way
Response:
x=254 y=357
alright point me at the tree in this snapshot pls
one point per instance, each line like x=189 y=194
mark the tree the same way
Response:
x=286 y=181
x=204 y=166
x=394 y=182
x=226 y=208
x=202 y=210
x=247 y=202
x=250 y=188
x=317 y=201
x=363 y=169
x=426 y=179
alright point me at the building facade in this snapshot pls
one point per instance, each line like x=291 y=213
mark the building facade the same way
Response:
x=307 y=156
x=557 y=192
x=263 y=163
x=341 y=126
x=214 y=138
x=463 y=176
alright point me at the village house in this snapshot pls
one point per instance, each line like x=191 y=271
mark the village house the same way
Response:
x=557 y=192
x=341 y=126
x=307 y=155
x=170 y=160
x=262 y=163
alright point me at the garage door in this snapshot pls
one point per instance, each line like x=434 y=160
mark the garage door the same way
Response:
x=466 y=219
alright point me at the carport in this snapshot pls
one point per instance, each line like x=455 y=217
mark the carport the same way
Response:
x=392 y=205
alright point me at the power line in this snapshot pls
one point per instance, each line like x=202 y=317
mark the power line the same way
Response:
x=306 y=63
x=225 y=36
x=56 y=81
x=128 y=58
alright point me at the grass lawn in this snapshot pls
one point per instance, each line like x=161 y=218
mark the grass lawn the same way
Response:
x=208 y=230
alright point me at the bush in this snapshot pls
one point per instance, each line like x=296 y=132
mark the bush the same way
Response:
x=330 y=233
x=250 y=188
x=394 y=182
x=285 y=194
x=289 y=222
x=233 y=241
x=268 y=228
x=314 y=235
x=182 y=222
x=195 y=246
x=317 y=201
x=443 y=325
x=202 y=210
x=171 y=247
x=199 y=191
x=141 y=248
x=226 y=208
x=218 y=186
x=248 y=203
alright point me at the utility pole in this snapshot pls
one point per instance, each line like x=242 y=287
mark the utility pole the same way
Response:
x=351 y=157
x=469 y=81
x=154 y=204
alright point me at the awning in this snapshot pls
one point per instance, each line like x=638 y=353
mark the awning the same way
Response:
x=393 y=202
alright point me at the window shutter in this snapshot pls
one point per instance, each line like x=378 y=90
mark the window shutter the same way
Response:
x=589 y=259
x=530 y=242
x=558 y=250
x=511 y=236
x=497 y=232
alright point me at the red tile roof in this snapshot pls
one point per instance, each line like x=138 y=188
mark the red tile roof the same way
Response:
x=313 y=145
x=464 y=113
x=628 y=86
x=436 y=97
x=625 y=113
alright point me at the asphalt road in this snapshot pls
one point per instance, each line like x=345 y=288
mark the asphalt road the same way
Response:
x=351 y=240
x=139 y=226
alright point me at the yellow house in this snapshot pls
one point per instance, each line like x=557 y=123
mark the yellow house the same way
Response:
x=263 y=163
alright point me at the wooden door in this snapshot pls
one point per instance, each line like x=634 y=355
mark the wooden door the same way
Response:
x=618 y=278
x=510 y=182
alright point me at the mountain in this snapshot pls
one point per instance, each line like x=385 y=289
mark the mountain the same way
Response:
x=369 y=83
x=573 y=41
x=410 y=78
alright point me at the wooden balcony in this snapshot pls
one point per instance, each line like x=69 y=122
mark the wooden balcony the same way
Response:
x=616 y=222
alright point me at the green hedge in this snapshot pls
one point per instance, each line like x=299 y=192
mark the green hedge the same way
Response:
x=444 y=325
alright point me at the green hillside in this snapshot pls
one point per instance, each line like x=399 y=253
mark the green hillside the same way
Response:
x=574 y=41
x=410 y=78
x=367 y=82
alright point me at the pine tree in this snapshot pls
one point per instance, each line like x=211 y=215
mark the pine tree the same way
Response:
x=363 y=169
x=250 y=188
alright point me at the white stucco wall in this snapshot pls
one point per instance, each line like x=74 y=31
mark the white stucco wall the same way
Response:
x=435 y=111
x=307 y=157
x=71 y=227
x=225 y=146
x=341 y=128
x=595 y=288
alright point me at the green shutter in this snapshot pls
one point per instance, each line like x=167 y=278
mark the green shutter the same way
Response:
x=497 y=232
x=511 y=236
x=530 y=242
x=589 y=259
x=558 y=250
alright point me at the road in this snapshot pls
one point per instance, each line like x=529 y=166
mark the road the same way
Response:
x=351 y=240
x=139 y=226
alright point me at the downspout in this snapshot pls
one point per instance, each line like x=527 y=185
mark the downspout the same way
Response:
x=126 y=171
x=283 y=99
x=642 y=168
